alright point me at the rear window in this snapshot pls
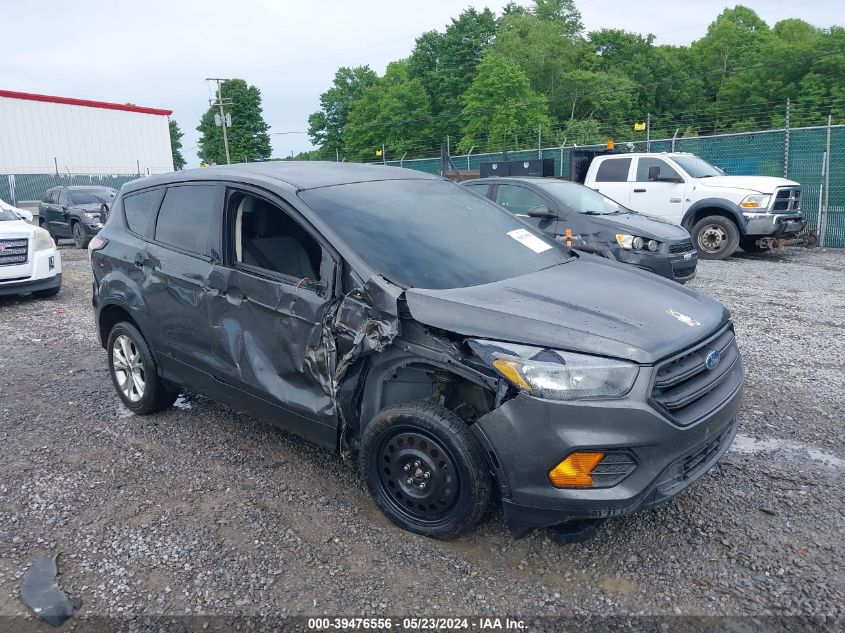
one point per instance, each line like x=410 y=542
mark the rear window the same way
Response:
x=140 y=210
x=185 y=218
x=613 y=170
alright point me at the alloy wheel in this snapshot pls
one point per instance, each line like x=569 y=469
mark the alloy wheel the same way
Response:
x=128 y=366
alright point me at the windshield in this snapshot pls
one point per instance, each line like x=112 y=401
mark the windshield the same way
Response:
x=6 y=214
x=697 y=167
x=92 y=196
x=581 y=199
x=431 y=233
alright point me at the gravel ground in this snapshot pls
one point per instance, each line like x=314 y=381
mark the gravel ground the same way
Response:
x=203 y=510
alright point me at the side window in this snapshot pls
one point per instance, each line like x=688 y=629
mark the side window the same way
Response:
x=644 y=165
x=266 y=237
x=63 y=199
x=613 y=170
x=518 y=199
x=48 y=197
x=140 y=210
x=482 y=189
x=186 y=216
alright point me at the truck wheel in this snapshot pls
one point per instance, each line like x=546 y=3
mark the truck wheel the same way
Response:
x=133 y=372
x=715 y=237
x=80 y=238
x=425 y=469
x=749 y=246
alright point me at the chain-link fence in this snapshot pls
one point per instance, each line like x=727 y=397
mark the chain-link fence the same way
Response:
x=800 y=154
x=16 y=188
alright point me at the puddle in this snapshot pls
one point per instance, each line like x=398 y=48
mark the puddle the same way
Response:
x=183 y=403
x=749 y=445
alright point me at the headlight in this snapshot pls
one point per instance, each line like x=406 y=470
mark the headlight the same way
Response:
x=652 y=245
x=629 y=241
x=557 y=375
x=91 y=216
x=755 y=201
x=43 y=241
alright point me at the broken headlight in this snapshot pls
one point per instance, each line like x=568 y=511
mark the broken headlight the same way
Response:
x=558 y=375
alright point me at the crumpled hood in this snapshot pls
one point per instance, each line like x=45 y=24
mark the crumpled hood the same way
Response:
x=589 y=305
x=640 y=224
x=760 y=184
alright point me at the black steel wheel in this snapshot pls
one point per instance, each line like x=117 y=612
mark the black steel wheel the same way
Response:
x=425 y=469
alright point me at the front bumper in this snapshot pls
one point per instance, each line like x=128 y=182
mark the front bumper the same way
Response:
x=678 y=267
x=774 y=224
x=30 y=285
x=526 y=436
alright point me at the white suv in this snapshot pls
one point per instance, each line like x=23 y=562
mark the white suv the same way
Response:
x=29 y=260
x=721 y=212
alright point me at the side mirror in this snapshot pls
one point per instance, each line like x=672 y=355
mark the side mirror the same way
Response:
x=653 y=172
x=540 y=211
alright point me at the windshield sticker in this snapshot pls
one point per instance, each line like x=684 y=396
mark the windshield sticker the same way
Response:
x=528 y=239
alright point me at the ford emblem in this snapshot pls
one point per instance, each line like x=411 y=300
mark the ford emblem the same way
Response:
x=712 y=360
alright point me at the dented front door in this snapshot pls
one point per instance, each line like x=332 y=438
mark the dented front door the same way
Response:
x=273 y=343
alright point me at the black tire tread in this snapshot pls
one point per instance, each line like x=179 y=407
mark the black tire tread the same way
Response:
x=480 y=485
x=157 y=397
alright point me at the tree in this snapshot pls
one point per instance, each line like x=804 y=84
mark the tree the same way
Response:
x=248 y=137
x=500 y=106
x=446 y=63
x=394 y=112
x=176 y=145
x=325 y=127
x=561 y=13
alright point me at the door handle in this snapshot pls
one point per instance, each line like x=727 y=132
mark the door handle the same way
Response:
x=639 y=190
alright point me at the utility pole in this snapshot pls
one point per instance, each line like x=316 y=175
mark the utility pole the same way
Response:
x=383 y=157
x=539 y=140
x=786 y=142
x=223 y=121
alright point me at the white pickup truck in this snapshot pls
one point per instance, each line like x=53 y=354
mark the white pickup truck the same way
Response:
x=721 y=212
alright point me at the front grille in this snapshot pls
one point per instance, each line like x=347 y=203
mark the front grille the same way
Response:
x=683 y=273
x=686 y=391
x=692 y=465
x=14 y=251
x=681 y=247
x=787 y=199
x=696 y=460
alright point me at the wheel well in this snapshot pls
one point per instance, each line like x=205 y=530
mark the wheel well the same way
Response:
x=467 y=399
x=110 y=316
x=700 y=214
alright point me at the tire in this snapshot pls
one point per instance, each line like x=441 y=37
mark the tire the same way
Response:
x=46 y=294
x=144 y=397
x=80 y=238
x=715 y=237
x=747 y=244
x=433 y=449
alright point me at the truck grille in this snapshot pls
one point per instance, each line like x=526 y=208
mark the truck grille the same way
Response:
x=681 y=247
x=787 y=199
x=686 y=390
x=14 y=251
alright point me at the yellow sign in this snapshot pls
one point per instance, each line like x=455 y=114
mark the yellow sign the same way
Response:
x=639 y=127
x=378 y=152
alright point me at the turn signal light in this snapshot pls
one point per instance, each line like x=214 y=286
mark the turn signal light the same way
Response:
x=574 y=471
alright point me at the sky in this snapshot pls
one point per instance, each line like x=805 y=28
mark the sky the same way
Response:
x=159 y=52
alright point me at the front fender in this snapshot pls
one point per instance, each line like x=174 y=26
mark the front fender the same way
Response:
x=733 y=210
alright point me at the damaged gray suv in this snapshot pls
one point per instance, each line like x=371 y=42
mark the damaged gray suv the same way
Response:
x=395 y=315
